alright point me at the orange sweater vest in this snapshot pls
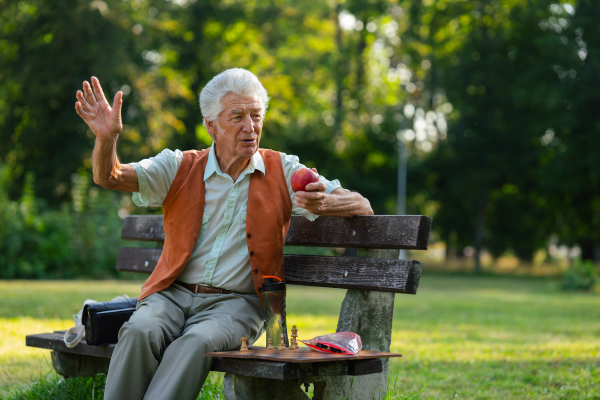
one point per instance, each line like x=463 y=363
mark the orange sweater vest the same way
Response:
x=267 y=220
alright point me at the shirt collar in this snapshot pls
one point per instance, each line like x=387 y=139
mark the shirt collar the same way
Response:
x=212 y=166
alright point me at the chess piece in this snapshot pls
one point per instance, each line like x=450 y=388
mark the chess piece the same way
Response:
x=244 y=346
x=281 y=344
x=294 y=344
x=270 y=347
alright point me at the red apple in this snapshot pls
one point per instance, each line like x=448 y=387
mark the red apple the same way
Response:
x=303 y=177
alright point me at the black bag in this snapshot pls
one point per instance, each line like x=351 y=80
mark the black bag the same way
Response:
x=103 y=320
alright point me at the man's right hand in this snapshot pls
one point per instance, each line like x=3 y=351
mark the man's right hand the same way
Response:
x=104 y=121
x=106 y=124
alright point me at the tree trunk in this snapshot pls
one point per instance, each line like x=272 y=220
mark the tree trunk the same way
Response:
x=479 y=235
x=588 y=249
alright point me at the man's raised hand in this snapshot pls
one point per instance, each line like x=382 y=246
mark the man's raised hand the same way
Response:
x=104 y=121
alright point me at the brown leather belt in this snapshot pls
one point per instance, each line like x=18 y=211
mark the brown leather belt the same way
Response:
x=202 y=289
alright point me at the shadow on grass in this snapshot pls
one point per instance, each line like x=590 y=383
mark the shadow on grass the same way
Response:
x=54 y=387
x=92 y=388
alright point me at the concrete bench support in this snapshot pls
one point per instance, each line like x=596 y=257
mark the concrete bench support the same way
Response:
x=70 y=364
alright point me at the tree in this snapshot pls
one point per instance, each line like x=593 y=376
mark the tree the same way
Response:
x=48 y=49
x=493 y=63
x=571 y=165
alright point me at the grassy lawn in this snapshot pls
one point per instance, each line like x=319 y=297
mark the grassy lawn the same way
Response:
x=461 y=336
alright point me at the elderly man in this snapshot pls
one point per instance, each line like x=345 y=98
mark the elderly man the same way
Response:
x=226 y=213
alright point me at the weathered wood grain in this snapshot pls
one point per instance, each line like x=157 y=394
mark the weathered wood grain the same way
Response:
x=143 y=227
x=385 y=275
x=54 y=341
x=364 y=367
x=136 y=259
x=262 y=369
x=365 y=231
x=376 y=274
x=302 y=355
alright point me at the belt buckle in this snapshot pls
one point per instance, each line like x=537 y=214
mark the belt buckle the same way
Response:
x=196 y=289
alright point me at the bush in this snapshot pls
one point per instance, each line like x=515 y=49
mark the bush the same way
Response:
x=81 y=239
x=582 y=275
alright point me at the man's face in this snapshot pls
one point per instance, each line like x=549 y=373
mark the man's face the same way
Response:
x=239 y=126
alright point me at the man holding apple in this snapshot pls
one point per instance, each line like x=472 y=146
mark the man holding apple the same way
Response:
x=226 y=213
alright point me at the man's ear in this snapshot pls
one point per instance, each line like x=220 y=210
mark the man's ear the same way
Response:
x=211 y=127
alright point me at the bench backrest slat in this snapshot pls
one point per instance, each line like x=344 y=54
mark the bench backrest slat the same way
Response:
x=367 y=231
x=378 y=274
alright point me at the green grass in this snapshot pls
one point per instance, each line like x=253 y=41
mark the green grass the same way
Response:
x=461 y=336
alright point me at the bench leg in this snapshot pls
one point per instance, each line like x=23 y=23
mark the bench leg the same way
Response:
x=72 y=365
x=239 y=387
x=370 y=315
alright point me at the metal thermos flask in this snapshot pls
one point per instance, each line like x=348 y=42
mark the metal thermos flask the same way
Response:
x=273 y=291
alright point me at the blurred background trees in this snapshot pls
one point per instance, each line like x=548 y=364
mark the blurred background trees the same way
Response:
x=495 y=100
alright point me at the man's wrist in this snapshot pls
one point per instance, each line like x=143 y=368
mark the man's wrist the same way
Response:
x=109 y=141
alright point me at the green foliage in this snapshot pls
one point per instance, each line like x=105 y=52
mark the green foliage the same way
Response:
x=80 y=239
x=499 y=96
x=518 y=162
x=331 y=101
x=582 y=275
x=48 y=49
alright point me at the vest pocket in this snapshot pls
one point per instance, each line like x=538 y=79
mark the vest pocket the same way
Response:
x=203 y=229
x=242 y=247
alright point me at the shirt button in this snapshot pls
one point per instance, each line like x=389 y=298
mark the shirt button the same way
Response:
x=256 y=271
x=249 y=235
x=251 y=253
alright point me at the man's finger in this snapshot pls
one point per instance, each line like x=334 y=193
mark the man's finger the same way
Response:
x=98 y=89
x=316 y=187
x=89 y=96
x=310 y=195
x=80 y=111
x=309 y=207
x=83 y=102
x=118 y=102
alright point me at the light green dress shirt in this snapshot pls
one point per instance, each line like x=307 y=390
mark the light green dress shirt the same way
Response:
x=220 y=257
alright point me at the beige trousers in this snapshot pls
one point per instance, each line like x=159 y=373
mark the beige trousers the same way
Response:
x=160 y=349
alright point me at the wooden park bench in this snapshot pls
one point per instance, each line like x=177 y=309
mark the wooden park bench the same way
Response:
x=372 y=278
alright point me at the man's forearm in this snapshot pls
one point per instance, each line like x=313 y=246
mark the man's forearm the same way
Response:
x=108 y=171
x=344 y=204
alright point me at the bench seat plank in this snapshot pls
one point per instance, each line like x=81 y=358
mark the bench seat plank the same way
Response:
x=379 y=274
x=365 y=231
x=376 y=274
x=253 y=368
x=54 y=341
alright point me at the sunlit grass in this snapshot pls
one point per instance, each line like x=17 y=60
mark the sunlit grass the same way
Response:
x=28 y=307
x=474 y=337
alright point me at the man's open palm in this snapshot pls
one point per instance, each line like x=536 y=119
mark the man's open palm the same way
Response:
x=103 y=120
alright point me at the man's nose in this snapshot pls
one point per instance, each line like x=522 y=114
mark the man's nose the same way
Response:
x=248 y=125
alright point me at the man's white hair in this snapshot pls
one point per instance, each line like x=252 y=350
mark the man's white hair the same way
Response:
x=234 y=80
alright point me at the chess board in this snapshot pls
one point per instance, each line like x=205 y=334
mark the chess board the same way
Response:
x=301 y=355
